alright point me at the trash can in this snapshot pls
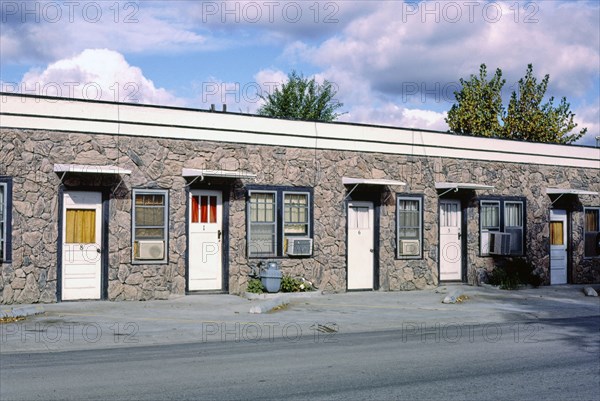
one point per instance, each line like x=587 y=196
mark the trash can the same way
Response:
x=271 y=277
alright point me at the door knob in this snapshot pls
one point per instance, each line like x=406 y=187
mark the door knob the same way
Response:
x=371 y=250
x=219 y=234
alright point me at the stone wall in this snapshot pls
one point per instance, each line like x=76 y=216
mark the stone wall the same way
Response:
x=28 y=156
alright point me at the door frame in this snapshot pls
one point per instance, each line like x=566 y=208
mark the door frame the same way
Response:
x=568 y=238
x=376 y=199
x=103 y=240
x=225 y=193
x=463 y=242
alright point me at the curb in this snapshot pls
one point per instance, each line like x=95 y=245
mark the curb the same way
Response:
x=21 y=311
x=266 y=306
x=291 y=295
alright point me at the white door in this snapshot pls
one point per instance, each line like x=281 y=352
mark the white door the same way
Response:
x=558 y=247
x=450 y=243
x=360 y=245
x=81 y=242
x=205 y=250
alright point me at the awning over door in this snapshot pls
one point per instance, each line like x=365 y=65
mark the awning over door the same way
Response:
x=568 y=191
x=369 y=181
x=560 y=192
x=201 y=174
x=461 y=185
x=87 y=168
x=63 y=169
x=456 y=186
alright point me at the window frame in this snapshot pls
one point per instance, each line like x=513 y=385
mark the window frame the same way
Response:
x=502 y=202
x=522 y=227
x=6 y=211
x=308 y=214
x=147 y=191
x=249 y=222
x=280 y=192
x=420 y=200
x=585 y=209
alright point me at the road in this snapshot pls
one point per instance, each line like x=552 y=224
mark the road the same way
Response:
x=553 y=359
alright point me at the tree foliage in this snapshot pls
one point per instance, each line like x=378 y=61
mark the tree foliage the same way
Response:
x=302 y=98
x=530 y=120
x=479 y=110
x=479 y=107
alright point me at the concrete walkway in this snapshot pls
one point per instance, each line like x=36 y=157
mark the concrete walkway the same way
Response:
x=201 y=318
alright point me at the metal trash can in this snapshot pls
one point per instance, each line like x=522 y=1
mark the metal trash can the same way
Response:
x=271 y=277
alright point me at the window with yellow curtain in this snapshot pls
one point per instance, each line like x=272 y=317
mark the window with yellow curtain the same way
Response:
x=556 y=233
x=81 y=226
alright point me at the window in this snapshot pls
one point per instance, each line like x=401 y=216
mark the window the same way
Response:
x=591 y=230
x=502 y=216
x=262 y=230
x=409 y=226
x=150 y=228
x=295 y=221
x=513 y=224
x=5 y=218
x=274 y=216
x=490 y=221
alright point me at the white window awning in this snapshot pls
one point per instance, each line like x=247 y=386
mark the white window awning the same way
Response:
x=371 y=181
x=89 y=169
x=568 y=191
x=201 y=173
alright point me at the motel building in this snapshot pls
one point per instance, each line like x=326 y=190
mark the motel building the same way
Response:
x=104 y=200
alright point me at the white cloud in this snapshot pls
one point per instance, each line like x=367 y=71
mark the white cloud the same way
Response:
x=389 y=46
x=240 y=96
x=588 y=117
x=44 y=31
x=97 y=74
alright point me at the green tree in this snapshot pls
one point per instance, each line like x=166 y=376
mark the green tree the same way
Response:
x=301 y=98
x=479 y=111
x=529 y=119
x=479 y=105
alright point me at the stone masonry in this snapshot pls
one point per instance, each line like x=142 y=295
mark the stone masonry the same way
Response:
x=28 y=156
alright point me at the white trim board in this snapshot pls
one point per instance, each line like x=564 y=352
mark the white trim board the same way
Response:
x=27 y=112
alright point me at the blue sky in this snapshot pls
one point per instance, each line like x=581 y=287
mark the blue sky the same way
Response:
x=394 y=63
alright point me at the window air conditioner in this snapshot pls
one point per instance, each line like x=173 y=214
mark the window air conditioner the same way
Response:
x=410 y=247
x=499 y=243
x=150 y=250
x=299 y=246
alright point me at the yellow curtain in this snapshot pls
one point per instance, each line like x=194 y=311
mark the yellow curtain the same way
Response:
x=556 y=233
x=81 y=226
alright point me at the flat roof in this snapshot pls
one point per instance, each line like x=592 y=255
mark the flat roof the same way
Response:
x=124 y=119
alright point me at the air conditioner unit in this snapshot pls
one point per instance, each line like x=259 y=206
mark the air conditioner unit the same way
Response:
x=410 y=247
x=299 y=246
x=150 y=250
x=499 y=243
